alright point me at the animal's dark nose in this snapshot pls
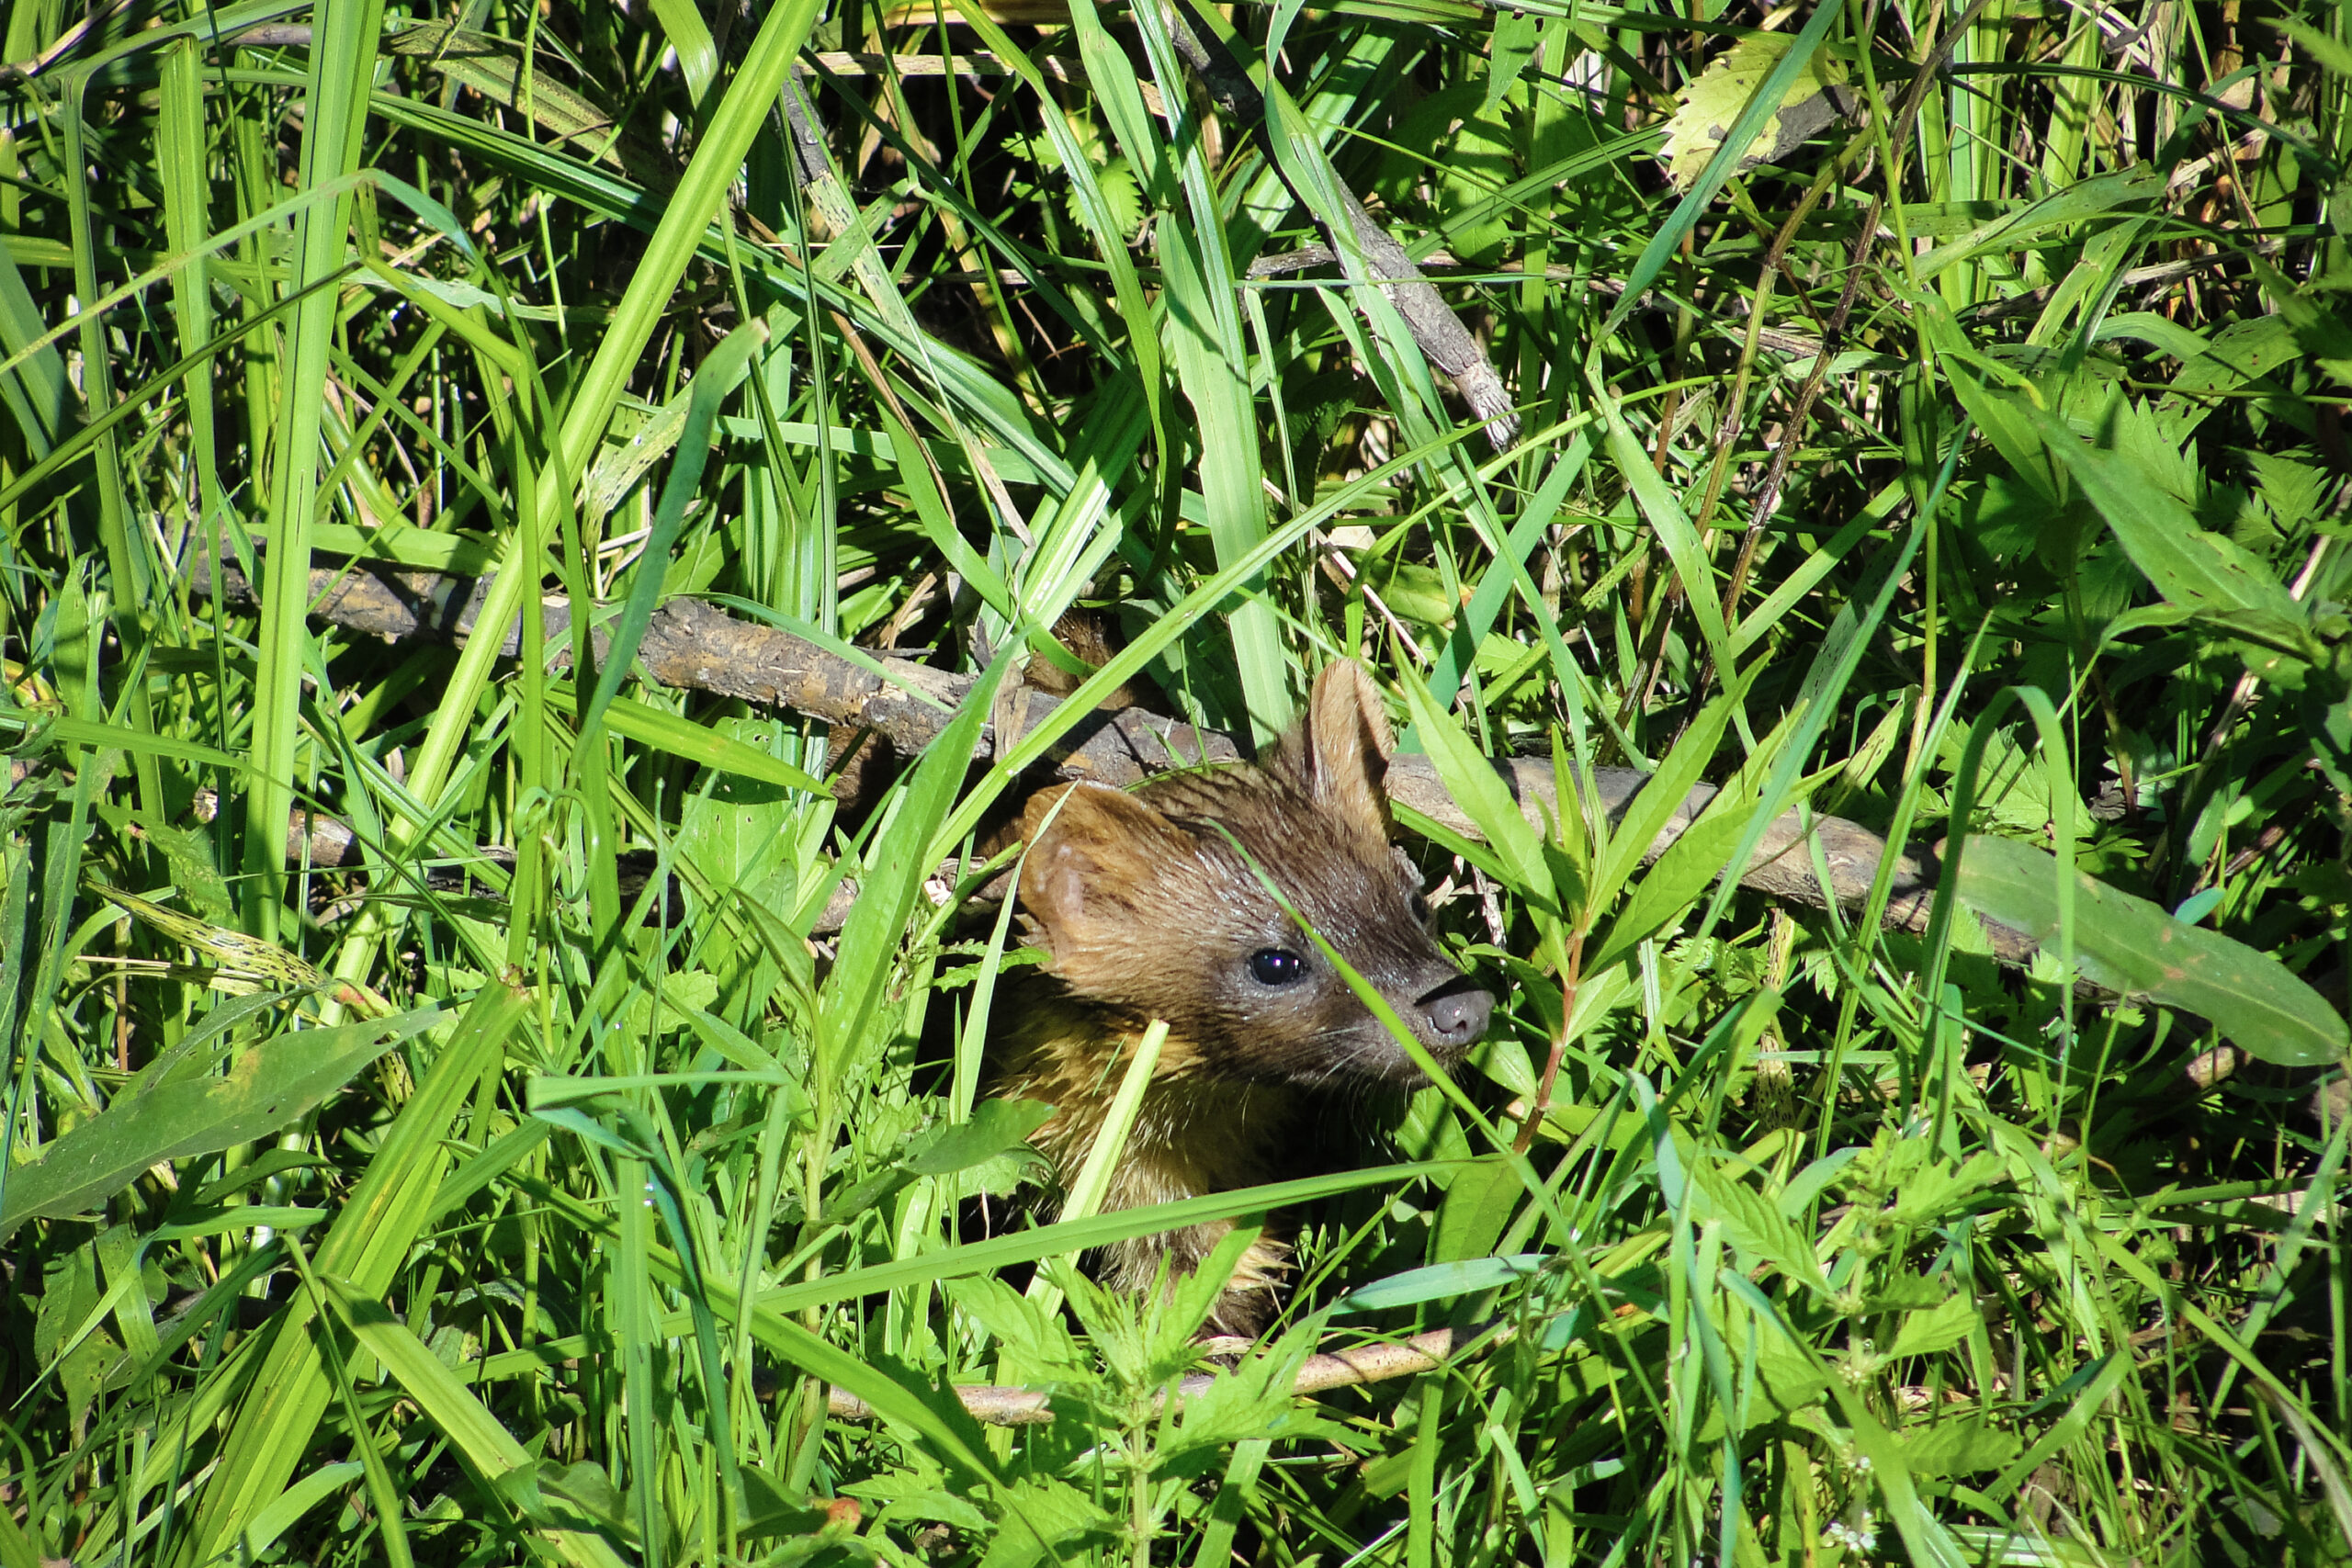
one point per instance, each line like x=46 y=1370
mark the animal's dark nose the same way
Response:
x=1457 y=1018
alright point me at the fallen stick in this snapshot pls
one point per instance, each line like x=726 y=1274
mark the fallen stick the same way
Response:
x=691 y=644
x=1000 y=1404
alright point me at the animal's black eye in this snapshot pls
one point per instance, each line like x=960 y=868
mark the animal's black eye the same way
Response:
x=1277 y=967
x=1421 y=907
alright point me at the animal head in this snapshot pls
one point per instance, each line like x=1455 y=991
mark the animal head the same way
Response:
x=1151 y=904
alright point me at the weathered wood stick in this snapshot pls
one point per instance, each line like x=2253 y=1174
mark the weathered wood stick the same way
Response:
x=1001 y=1405
x=691 y=644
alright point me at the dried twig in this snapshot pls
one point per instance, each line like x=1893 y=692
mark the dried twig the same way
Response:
x=1439 y=333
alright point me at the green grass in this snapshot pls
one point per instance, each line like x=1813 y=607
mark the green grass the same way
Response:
x=1979 y=462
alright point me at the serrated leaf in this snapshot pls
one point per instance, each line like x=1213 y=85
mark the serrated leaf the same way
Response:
x=1251 y=1401
x=2134 y=947
x=190 y=854
x=1708 y=105
x=1044 y=1517
x=1040 y=1341
x=1757 y=1227
x=1122 y=196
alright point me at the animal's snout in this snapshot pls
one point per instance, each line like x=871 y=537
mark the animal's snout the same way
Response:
x=1457 y=1014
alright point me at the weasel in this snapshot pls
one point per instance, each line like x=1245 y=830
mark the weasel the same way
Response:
x=1149 y=906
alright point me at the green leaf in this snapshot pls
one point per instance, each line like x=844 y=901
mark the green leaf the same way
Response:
x=1792 y=1378
x=189 y=855
x=1936 y=1328
x=1443 y=1282
x=37 y=392
x=17 y=1549
x=690 y=35
x=1721 y=836
x=1757 y=1227
x=904 y=1501
x=2327 y=725
x=489 y=1450
x=2250 y=350
x=1656 y=803
x=116 y=737
x=1513 y=46
x=648 y=725
x=768 y=1507
x=1478 y=1204
x=1959 y=1447
x=1693 y=568
x=1978 y=383
x=585 y=1487
x=503 y=71
x=853 y=993
x=279 y=1414
x=1251 y=1401
x=1479 y=790
x=723 y=371
x=1204 y=332
x=1049 y=1520
x=266 y=1089
x=2189 y=566
x=1038 y=1339
x=2090 y=200
x=327 y=1481
x=2134 y=947
x=997 y=1127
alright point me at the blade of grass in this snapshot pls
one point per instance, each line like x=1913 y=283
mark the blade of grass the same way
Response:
x=370 y=1240
x=343 y=57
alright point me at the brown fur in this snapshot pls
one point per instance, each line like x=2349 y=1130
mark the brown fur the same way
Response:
x=1087 y=637
x=1149 y=907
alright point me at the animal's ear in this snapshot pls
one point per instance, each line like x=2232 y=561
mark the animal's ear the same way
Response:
x=1093 y=851
x=1340 y=753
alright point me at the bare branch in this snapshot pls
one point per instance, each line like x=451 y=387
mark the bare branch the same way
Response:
x=691 y=644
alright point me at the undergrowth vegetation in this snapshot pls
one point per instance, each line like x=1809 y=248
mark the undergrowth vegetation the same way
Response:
x=562 y=1169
